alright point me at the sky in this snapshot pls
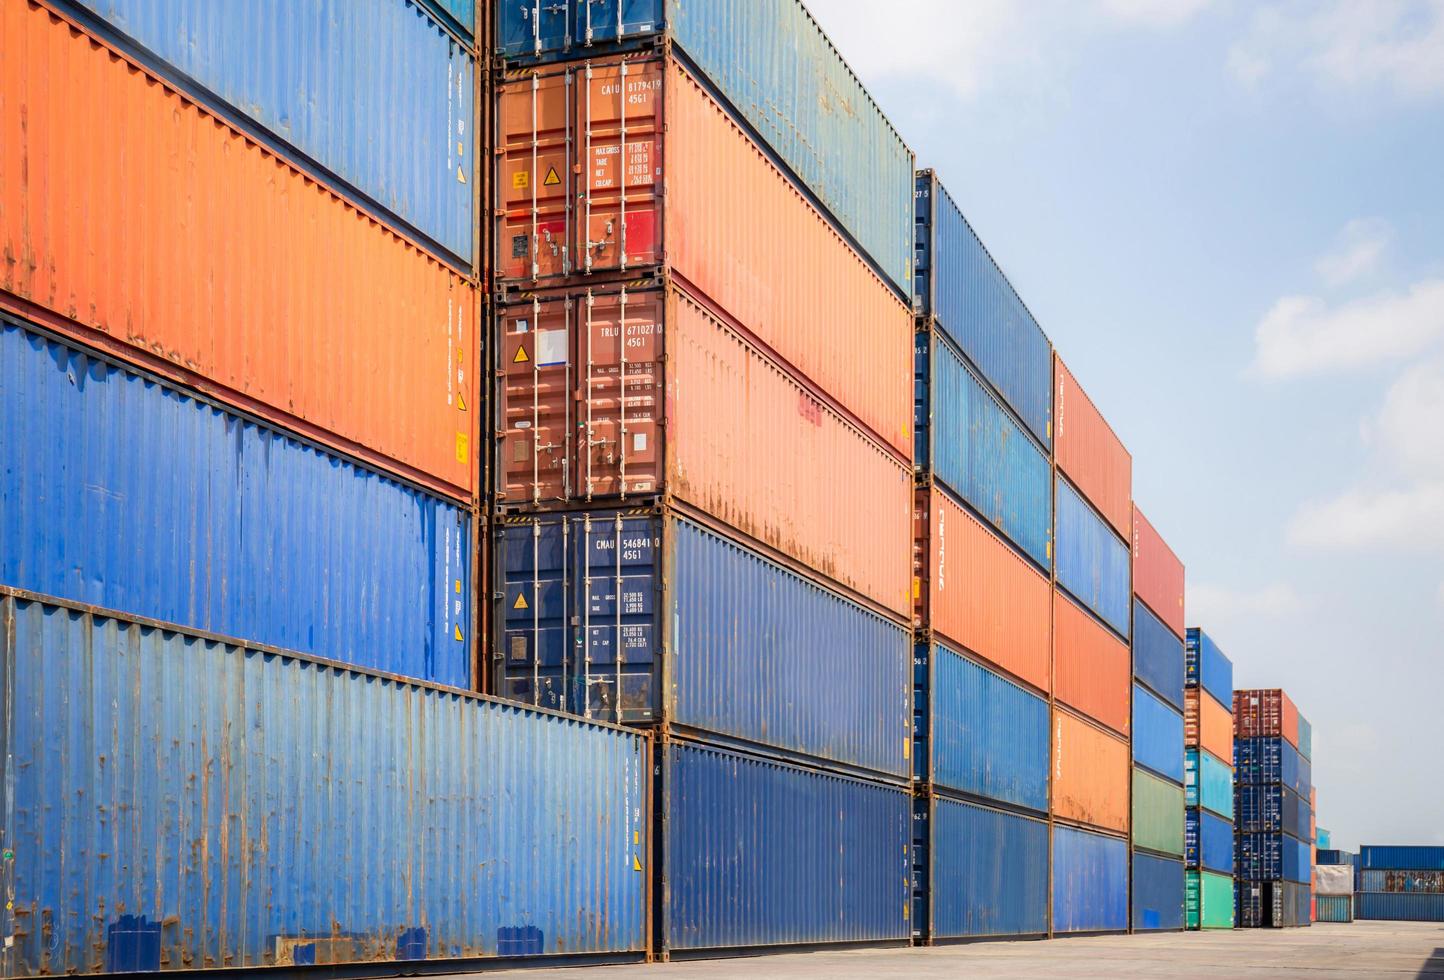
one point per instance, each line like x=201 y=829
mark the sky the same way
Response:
x=1229 y=217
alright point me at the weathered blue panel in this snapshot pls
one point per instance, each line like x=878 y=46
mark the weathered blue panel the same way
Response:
x=1207 y=782
x=1272 y=807
x=1157 y=735
x=1090 y=882
x=131 y=494
x=761 y=853
x=1207 y=667
x=1306 y=739
x=1207 y=841
x=1158 y=892
x=1340 y=908
x=375 y=93
x=757 y=652
x=989 y=872
x=1402 y=857
x=1381 y=880
x=461 y=12
x=1157 y=655
x=1094 y=564
x=1260 y=761
x=1337 y=856
x=990 y=737
x=1272 y=856
x=1399 y=907
x=179 y=801
x=959 y=284
x=985 y=457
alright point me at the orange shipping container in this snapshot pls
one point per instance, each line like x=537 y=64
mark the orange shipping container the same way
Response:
x=135 y=221
x=1090 y=774
x=629 y=394
x=705 y=203
x=1092 y=670
x=1089 y=452
x=976 y=591
x=1157 y=574
x=1207 y=723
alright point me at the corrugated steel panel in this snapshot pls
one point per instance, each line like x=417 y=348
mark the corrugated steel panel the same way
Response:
x=1158 y=820
x=1259 y=761
x=1090 y=774
x=375 y=92
x=174 y=801
x=1265 y=713
x=1306 y=738
x=1405 y=908
x=1090 y=453
x=1272 y=856
x=965 y=292
x=1338 y=908
x=153 y=228
x=1092 y=562
x=1208 y=842
x=1336 y=856
x=1157 y=735
x=1337 y=879
x=981 y=594
x=1090 y=882
x=989 y=736
x=463 y=12
x=1157 y=655
x=712 y=636
x=130 y=494
x=1090 y=666
x=1380 y=880
x=983 y=455
x=1157 y=895
x=989 y=872
x=1207 y=724
x=1209 y=900
x=778 y=70
x=1157 y=574
x=1208 y=782
x=760 y=853
x=1205 y=666
x=1401 y=857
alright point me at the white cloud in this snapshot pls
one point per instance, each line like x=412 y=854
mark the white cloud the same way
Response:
x=1409 y=428
x=1218 y=604
x=1154 y=13
x=1409 y=518
x=1361 y=245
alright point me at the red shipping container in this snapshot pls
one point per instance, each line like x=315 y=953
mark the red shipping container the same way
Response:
x=1092 y=670
x=1265 y=713
x=1089 y=452
x=646 y=393
x=975 y=591
x=1091 y=778
x=137 y=222
x=626 y=166
x=1207 y=724
x=1157 y=574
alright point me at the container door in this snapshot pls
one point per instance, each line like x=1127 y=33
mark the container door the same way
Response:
x=532 y=27
x=619 y=152
x=620 y=401
x=600 y=21
x=618 y=565
x=532 y=559
x=535 y=184
x=535 y=404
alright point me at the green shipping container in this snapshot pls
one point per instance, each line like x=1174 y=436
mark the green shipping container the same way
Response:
x=1209 y=782
x=1208 y=901
x=1157 y=814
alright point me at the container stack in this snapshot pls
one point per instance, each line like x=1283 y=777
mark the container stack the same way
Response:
x=1159 y=771
x=1333 y=888
x=1400 y=883
x=1273 y=852
x=703 y=452
x=1313 y=849
x=1209 y=783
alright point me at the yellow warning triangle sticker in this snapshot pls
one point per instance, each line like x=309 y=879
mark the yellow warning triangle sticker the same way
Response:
x=521 y=356
x=636 y=864
x=552 y=178
x=458 y=586
x=458 y=633
x=461 y=401
x=520 y=602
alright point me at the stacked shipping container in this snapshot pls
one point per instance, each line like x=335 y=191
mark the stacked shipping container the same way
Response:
x=1209 y=783
x=1400 y=883
x=1273 y=852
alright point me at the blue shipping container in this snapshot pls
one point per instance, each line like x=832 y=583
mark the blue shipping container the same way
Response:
x=761 y=853
x=959 y=285
x=977 y=450
x=1335 y=908
x=375 y=94
x=1090 y=882
x=1272 y=856
x=1157 y=735
x=989 y=736
x=1094 y=564
x=1208 y=841
x=1207 y=667
x=771 y=61
x=1306 y=738
x=1272 y=807
x=1399 y=907
x=1158 y=893
x=1207 y=782
x=1157 y=655
x=181 y=801
x=1381 y=880
x=1402 y=857
x=1260 y=761
x=737 y=646
x=1336 y=856
x=128 y=493
x=989 y=872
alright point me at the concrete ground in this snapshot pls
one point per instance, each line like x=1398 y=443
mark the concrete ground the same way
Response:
x=1360 y=949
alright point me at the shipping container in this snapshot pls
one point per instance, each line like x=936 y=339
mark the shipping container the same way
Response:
x=1207 y=723
x=977 y=592
x=154 y=230
x=1090 y=666
x=1158 y=818
x=681 y=405
x=1334 y=908
x=1157 y=655
x=1399 y=907
x=1090 y=774
x=1090 y=454
x=129 y=493
x=1265 y=714
x=1157 y=895
x=774 y=67
x=1208 y=842
x=667 y=182
x=174 y=800
x=1379 y=880
x=1336 y=856
x=713 y=637
x=1337 y=879
x=1272 y=904
x=374 y=96
x=761 y=853
x=1321 y=838
x=1208 y=782
x=973 y=445
x=988 y=736
x=460 y=13
x=1306 y=738
x=1272 y=807
x=1207 y=667
x=1090 y=882
x=1092 y=562
x=989 y=874
x=1259 y=761
x=1272 y=856
x=1157 y=574
x=1157 y=735
x=1209 y=900
x=1402 y=857
x=962 y=291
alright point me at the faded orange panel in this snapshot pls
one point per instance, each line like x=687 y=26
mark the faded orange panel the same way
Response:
x=146 y=226
x=1207 y=723
x=1090 y=774
x=1092 y=670
x=1157 y=574
x=1089 y=452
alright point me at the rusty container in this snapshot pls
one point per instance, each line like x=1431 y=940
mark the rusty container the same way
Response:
x=1207 y=724
x=1089 y=452
x=1265 y=713
x=1157 y=574
x=1090 y=774
x=1091 y=668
